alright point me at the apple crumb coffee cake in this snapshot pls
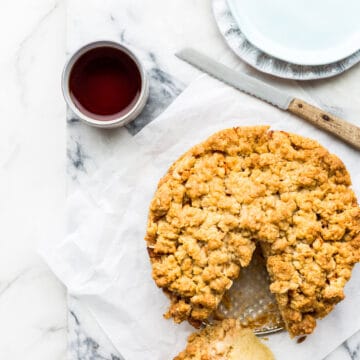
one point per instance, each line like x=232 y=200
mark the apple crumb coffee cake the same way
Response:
x=246 y=187
x=225 y=340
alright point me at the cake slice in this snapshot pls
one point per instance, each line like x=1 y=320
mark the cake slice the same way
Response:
x=225 y=340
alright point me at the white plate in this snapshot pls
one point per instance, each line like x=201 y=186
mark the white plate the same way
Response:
x=265 y=63
x=305 y=32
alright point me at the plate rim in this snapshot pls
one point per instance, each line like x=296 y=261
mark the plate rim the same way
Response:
x=255 y=58
x=280 y=52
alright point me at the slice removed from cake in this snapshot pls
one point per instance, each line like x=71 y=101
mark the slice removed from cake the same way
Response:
x=225 y=340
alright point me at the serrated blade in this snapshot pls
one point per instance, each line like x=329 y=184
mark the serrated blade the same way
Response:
x=238 y=80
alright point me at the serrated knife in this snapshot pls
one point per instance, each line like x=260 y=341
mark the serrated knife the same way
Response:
x=341 y=128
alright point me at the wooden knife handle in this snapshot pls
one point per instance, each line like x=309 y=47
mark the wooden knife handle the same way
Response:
x=341 y=128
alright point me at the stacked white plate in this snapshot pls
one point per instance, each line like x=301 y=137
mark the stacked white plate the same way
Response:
x=302 y=39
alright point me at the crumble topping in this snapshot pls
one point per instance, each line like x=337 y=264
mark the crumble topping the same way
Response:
x=245 y=187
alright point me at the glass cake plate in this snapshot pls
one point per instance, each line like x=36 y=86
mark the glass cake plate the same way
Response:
x=250 y=301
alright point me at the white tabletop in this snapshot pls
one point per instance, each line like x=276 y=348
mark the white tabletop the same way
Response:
x=33 y=150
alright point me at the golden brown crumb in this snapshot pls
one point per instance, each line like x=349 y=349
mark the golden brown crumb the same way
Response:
x=225 y=340
x=247 y=186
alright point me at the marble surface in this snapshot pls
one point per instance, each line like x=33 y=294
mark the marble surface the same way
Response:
x=35 y=323
x=155 y=31
x=32 y=177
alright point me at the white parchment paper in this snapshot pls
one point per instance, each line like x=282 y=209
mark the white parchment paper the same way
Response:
x=103 y=259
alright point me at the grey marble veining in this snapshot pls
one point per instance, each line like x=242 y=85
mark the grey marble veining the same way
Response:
x=95 y=346
x=82 y=344
x=352 y=346
x=349 y=350
x=82 y=159
x=164 y=88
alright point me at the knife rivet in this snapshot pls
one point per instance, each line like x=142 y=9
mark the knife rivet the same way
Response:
x=300 y=105
x=325 y=117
